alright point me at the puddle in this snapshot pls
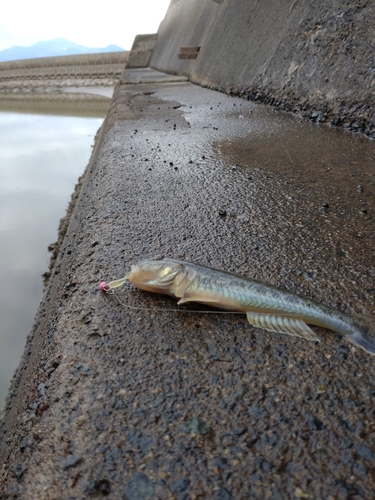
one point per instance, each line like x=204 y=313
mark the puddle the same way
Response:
x=296 y=198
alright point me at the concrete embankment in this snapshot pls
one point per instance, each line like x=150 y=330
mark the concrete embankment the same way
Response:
x=314 y=58
x=142 y=404
x=62 y=71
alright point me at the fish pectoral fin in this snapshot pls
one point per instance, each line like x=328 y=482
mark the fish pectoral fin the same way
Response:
x=184 y=283
x=281 y=324
x=199 y=300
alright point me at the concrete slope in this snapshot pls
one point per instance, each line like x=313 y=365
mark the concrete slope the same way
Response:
x=316 y=58
x=143 y=404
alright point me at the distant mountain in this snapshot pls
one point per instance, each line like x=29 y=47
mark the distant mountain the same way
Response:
x=56 y=47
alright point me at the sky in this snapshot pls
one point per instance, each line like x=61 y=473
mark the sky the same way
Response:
x=92 y=24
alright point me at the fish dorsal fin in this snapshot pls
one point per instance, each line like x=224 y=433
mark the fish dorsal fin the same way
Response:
x=281 y=324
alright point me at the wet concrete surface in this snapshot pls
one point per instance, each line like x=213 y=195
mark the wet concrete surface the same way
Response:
x=310 y=58
x=134 y=404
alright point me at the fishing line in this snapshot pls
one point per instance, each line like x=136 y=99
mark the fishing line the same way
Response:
x=107 y=290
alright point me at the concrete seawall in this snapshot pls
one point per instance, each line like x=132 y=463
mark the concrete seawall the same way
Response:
x=143 y=404
x=123 y=396
x=314 y=58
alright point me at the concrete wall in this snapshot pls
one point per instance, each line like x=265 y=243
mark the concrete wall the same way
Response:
x=61 y=61
x=141 y=51
x=316 y=58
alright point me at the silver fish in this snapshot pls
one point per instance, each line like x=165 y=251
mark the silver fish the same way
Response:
x=265 y=306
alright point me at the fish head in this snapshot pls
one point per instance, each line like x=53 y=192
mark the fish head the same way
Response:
x=155 y=275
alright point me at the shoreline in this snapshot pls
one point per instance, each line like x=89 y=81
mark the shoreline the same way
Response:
x=55 y=247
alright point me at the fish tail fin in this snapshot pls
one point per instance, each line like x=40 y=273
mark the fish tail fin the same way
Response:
x=363 y=335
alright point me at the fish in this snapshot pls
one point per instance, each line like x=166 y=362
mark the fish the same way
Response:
x=266 y=306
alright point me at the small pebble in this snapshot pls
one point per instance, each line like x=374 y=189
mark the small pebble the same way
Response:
x=72 y=461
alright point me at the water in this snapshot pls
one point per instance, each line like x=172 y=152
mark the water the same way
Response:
x=45 y=145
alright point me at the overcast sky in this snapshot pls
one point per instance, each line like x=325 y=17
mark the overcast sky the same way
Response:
x=93 y=24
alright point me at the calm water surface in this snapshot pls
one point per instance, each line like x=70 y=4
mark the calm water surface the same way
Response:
x=43 y=150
